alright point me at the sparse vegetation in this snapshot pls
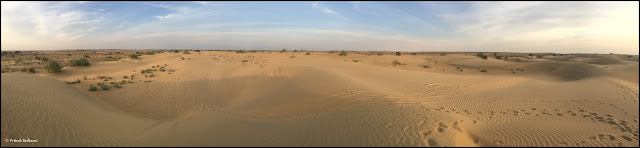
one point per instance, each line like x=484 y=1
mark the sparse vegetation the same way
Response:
x=480 y=54
x=426 y=66
x=343 y=53
x=32 y=70
x=92 y=88
x=293 y=56
x=109 y=58
x=308 y=53
x=398 y=53
x=53 y=67
x=103 y=86
x=79 y=62
x=133 y=56
x=499 y=57
x=185 y=52
x=241 y=51
x=414 y=53
x=539 y=56
x=380 y=53
x=396 y=62
x=443 y=54
x=483 y=70
x=283 y=50
x=484 y=57
x=176 y=51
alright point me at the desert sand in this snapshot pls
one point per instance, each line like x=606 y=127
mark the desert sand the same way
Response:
x=224 y=98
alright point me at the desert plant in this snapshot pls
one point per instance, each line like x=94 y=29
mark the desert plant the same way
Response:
x=32 y=70
x=117 y=85
x=295 y=50
x=133 y=56
x=79 y=62
x=380 y=53
x=293 y=56
x=425 y=66
x=396 y=62
x=308 y=53
x=241 y=51
x=398 y=53
x=92 y=88
x=539 y=56
x=283 y=50
x=343 y=53
x=414 y=53
x=484 y=57
x=109 y=58
x=185 y=52
x=53 y=67
x=103 y=86
x=18 y=60
x=176 y=51
x=443 y=54
x=480 y=54
x=498 y=57
x=483 y=70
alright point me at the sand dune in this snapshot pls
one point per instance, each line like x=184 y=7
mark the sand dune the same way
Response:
x=214 y=98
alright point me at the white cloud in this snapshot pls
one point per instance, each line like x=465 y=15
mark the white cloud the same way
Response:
x=314 y=4
x=327 y=10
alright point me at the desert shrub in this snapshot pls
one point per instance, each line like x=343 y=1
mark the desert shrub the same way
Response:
x=125 y=77
x=185 y=52
x=483 y=70
x=396 y=62
x=295 y=50
x=18 y=60
x=45 y=59
x=484 y=57
x=343 y=53
x=480 y=54
x=498 y=57
x=241 y=51
x=104 y=86
x=133 y=56
x=283 y=50
x=530 y=55
x=539 y=56
x=79 y=62
x=23 y=69
x=293 y=56
x=117 y=85
x=53 y=67
x=197 y=51
x=92 y=88
x=426 y=66
x=176 y=51
x=32 y=70
x=245 y=60
x=380 y=53
x=506 y=57
x=109 y=58
x=398 y=53
x=308 y=53
x=86 y=56
x=332 y=51
x=443 y=54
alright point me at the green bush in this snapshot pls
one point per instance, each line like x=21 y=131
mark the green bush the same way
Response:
x=133 y=56
x=443 y=54
x=380 y=53
x=185 y=52
x=308 y=53
x=109 y=58
x=343 y=53
x=398 y=53
x=53 y=67
x=32 y=70
x=92 y=88
x=414 y=53
x=480 y=54
x=498 y=57
x=484 y=57
x=241 y=51
x=79 y=62
x=283 y=50
x=176 y=51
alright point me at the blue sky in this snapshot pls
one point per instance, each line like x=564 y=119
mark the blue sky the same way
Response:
x=563 y=27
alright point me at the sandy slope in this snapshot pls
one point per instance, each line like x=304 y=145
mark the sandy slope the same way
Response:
x=215 y=99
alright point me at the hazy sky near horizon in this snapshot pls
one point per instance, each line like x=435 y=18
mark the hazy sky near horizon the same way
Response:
x=562 y=27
